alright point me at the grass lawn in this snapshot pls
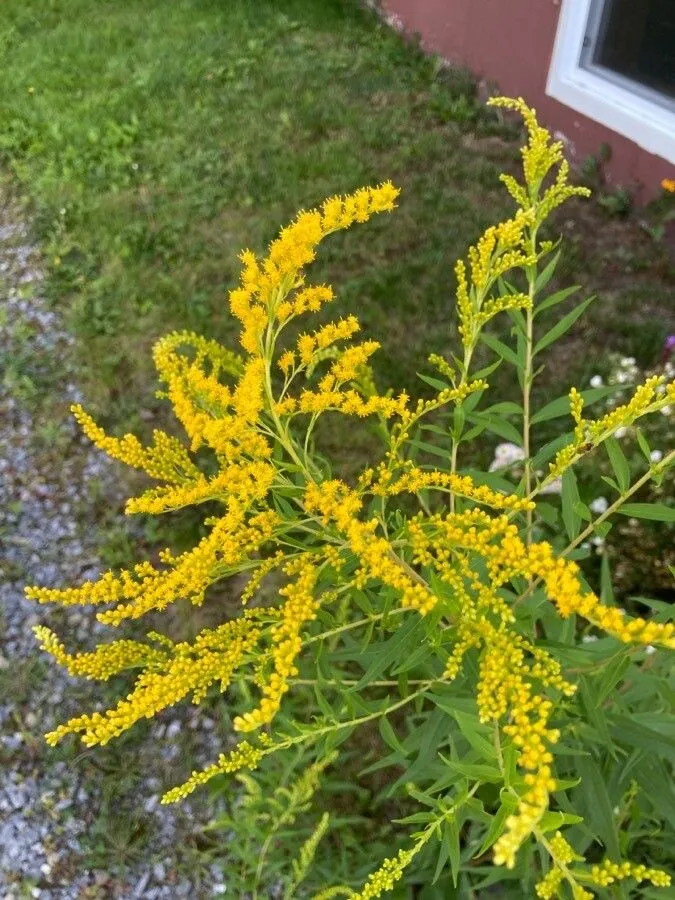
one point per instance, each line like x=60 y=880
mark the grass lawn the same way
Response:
x=157 y=139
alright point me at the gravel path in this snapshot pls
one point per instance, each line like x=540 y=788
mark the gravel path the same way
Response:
x=57 y=819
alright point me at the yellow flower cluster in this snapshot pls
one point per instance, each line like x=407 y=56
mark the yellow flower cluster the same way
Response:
x=589 y=433
x=262 y=570
x=547 y=888
x=389 y=873
x=540 y=154
x=166 y=680
x=166 y=460
x=563 y=585
x=562 y=855
x=104 y=662
x=308 y=344
x=309 y=299
x=337 y=504
x=299 y=608
x=146 y=588
x=509 y=664
x=609 y=872
x=211 y=413
x=261 y=296
x=349 y=403
x=246 y=483
x=417 y=479
x=244 y=756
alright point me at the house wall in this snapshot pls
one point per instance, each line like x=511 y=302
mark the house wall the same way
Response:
x=509 y=42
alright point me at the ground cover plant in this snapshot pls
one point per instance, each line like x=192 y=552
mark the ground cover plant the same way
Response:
x=510 y=736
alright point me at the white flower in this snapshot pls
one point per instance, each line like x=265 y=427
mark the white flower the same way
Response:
x=555 y=487
x=666 y=410
x=628 y=361
x=596 y=381
x=656 y=456
x=621 y=378
x=589 y=638
x=599 y=505
x=597 y=540
x=505 y=455
x=620 y=431
x=649 y=649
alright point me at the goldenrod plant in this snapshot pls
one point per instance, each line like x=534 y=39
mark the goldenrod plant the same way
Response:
x=436 y=603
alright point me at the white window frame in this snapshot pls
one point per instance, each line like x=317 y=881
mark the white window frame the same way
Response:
x=608 y=100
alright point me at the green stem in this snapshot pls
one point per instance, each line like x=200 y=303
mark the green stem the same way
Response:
x=527 y=380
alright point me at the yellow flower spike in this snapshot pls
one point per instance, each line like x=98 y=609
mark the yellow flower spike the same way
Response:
x=107 y=660
x=168 y=677
x=390 y=872
x=244 y=756
x=287 y=361
x=462 y=485
x=336 y=503
x=299 y=608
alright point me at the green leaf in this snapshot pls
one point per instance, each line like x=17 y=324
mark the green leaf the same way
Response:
x=659 y=512
x=518 y=319
x=389 y=736
x=562 y=326
x=451 y=835
x=554 y=299
x=570 y=497
x=389 y=652
x=475 y=733
x=627 y=731
x=644 y=445
x=505 y=408
x=433 y=382
x=549 y=450
x=500 y=348
x=474 y=771
x=498 y=824
x=547 y=272
x=552 y=821
x=606 y=586
x=619 y=463
x=486 y=370
x=498 y=426
x=430 y=448
x=593 y=794
x=612 y=674
x=561 y=406
x=443 y=854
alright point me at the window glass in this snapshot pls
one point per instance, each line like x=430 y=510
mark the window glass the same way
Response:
x=636 y=40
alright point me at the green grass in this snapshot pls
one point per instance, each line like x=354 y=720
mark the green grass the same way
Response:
x=158 y=139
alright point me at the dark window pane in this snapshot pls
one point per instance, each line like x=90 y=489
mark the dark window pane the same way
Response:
x=636 y=39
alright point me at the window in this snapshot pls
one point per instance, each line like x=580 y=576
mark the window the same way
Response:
x=614 y=61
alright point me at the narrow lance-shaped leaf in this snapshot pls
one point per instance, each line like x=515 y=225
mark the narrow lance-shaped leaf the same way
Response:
x=562 y=326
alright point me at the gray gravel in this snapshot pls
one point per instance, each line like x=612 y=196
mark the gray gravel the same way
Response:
x=49 y=476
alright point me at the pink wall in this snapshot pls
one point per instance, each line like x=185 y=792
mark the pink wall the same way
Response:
x=509 y=42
